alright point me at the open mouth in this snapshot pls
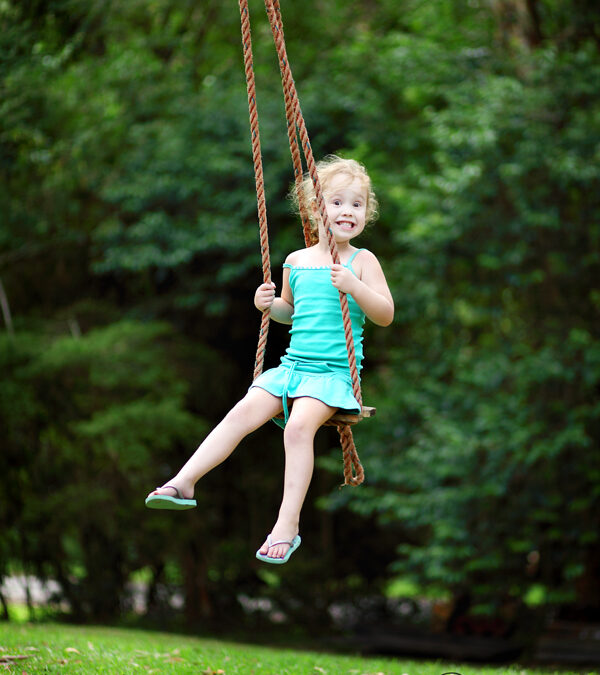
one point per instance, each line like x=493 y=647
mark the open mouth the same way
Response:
x=345 y=225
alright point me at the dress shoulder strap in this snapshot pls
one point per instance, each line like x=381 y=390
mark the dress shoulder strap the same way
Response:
x=354 y=256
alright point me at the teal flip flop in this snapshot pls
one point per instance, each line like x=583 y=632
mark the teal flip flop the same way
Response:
x=293 y=545
x=172 y=503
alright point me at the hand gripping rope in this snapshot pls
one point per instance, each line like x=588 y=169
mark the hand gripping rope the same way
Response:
x=353 y=470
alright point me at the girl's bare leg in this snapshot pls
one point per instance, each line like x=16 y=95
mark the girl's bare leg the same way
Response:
x=307 y=415
x=256 y=408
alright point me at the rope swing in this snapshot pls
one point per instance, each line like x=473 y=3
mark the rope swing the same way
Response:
x=297 y=136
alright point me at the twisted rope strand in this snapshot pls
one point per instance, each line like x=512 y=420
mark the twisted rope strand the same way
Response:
x=310 y=236
x=353 y=470
x=274 y=13
x=258 y=179
x=354 y=473
x=296 y=126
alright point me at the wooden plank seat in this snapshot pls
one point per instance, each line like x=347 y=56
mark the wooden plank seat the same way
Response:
x=345 y=418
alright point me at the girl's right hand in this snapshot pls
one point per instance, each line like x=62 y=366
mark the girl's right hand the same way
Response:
x=264 y=296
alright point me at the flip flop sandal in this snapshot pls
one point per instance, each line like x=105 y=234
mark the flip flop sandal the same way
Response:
x=293 y=545
x=178 y=503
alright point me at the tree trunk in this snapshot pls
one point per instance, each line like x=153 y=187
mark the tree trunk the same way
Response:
x=197 y=602
x=5 y=613
x=518 y=24
x=6 y=310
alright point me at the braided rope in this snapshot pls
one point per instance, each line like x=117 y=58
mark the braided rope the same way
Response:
x=274 y=13
x=354 y=473
x=353 y=470
x=311 y=237
x=258 y=179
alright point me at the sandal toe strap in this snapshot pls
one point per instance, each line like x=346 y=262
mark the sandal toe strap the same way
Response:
x=275 y=543
x=164 y=487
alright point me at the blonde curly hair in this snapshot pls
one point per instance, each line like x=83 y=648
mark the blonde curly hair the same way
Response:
x=327 y=168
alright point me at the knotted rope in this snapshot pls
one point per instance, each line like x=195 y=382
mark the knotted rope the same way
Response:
x=353 y=470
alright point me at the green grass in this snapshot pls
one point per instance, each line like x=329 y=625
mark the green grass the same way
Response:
x=50 y=648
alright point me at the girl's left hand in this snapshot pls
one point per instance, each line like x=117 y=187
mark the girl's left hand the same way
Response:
x=342 y=278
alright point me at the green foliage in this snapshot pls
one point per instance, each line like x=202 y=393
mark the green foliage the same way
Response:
x=84 y=419
x=129 y=254
x=494 y=398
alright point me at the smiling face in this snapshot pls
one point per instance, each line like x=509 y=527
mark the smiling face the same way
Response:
x=335 y=173
x=346 y=202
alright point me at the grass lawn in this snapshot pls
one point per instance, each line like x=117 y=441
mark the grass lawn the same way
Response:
x=49 y=648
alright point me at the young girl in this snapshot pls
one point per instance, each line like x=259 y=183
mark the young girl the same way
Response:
x=314 y=373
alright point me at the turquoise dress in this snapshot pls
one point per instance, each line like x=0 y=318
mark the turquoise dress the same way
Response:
x=316 y=362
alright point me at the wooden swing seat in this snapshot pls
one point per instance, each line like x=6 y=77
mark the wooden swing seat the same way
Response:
x=350 y=418
x=344 y=418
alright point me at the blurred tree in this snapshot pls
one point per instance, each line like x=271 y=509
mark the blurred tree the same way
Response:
x=128 y=256
x=82 y=420
x=494 y=394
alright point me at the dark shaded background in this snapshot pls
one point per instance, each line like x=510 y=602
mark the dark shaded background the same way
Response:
x=128 y=260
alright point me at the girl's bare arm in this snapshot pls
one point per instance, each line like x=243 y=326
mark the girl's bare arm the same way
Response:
x=371 y=291
x=281 y=307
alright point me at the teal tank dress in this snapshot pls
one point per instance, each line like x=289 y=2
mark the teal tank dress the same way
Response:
x=316 y=362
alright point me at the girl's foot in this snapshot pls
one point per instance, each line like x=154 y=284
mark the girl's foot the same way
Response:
x=173 y=489
x=279 y=534
x=171 y=497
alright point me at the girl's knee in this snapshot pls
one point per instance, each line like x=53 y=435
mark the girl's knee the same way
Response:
x=299 y=429
x=253 y=410
x=240 y=412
